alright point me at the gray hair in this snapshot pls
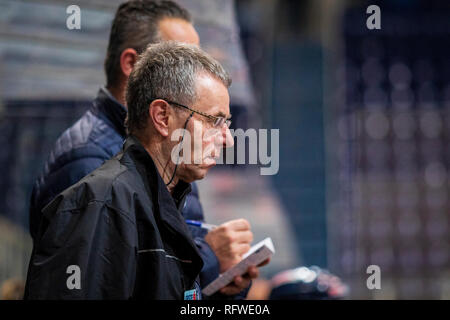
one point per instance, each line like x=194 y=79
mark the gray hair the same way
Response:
x=167 y=70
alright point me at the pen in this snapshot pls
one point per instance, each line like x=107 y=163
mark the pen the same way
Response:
x=200 y=224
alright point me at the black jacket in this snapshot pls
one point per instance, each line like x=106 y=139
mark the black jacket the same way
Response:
x=124 y=231
x=96 y=137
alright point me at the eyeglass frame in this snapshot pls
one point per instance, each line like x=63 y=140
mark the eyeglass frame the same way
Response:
x=225 y=120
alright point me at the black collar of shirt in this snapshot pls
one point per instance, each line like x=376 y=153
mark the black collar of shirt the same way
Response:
x=111 y=110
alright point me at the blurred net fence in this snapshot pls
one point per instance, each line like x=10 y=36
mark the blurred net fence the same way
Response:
x=391 y=149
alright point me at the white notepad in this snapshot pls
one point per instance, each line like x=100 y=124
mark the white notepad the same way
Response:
x=257 y=254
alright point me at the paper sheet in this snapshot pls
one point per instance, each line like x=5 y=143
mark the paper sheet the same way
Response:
x=257 y=254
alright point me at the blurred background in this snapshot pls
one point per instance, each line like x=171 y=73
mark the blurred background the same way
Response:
x=364 y=119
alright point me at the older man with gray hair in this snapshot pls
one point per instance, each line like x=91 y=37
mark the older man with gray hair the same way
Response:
x=118 y=233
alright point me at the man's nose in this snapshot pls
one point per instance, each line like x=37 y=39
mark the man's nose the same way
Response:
x=228 y=140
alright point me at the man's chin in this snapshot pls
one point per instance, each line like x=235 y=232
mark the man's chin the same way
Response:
x=201 y=172
x=194 y=175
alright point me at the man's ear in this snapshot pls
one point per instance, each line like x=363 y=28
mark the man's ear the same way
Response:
x=158 y=112
x=128 y=58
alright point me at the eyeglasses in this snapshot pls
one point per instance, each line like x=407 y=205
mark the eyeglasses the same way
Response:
x=218 y=122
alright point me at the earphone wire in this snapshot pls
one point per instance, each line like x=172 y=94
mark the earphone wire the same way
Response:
x=181 y=142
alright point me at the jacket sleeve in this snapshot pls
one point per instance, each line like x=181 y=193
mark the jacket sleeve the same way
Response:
x=83 y=254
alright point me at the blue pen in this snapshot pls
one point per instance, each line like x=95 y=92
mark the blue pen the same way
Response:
x=200 y=224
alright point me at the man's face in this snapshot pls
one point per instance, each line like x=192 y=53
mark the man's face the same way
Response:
x=206 y=141
x=178 y=30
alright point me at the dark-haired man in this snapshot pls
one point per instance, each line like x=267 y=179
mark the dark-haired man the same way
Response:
x=100 y=132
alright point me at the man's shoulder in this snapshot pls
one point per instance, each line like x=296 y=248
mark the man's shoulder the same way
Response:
x=90 y=133
x=90 y=137
x=104 y=185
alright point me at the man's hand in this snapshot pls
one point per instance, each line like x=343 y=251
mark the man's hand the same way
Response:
x=230 y=241
x=242 y=282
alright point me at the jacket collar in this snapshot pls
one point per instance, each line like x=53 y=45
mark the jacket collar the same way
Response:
x=106 y=106
x=181 y=190
x=168 y=206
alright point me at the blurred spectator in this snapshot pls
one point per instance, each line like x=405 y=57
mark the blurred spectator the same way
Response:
x=12 y=289
x=300 y=283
